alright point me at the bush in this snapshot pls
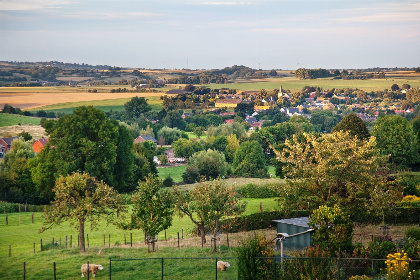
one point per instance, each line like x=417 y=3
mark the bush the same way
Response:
x=210 y=164
x=168 y=182
x=252 y=263
x=312 y=263
x=191 y=175
x=253 y=191
x=413 y=232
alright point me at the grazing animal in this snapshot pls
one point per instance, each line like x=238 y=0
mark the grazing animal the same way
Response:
x=93 y=268
x=221 y=265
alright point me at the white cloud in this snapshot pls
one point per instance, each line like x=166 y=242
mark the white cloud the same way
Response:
x=111 y=15
x=25 y=5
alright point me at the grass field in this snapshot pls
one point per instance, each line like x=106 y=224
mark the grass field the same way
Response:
x=174 y=171
x=11 y=119
x=295 y=84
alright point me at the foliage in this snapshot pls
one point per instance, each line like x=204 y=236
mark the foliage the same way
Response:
x=251 y=257
x=168 y=181
x=80 y=198
x=136 y=107
x=410 y=181
x=333 y=229
x=338 y=168
x=395 y=136
x=15 y=177
x=231 y=147
x=249 y=160
x=25 y=135
x=209 y=164
x=207 y=204
x=312 y=263
x=413 y=232
x=186 y=148
x=83 y=142
x=152 y=207
x=257 y=221
x=170 y=135
x=228 y=129
x=253 y=191
x=354 y=125
x=324 y=121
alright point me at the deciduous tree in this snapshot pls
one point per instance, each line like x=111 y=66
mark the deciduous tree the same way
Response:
x=354 y=125
x=79 y=199
x=249 y=160
x=153 y=208
x=207 y=204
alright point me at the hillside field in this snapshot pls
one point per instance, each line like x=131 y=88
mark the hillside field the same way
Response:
x=11 y=119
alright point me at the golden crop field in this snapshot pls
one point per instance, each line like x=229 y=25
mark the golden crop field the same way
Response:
x=36 y=97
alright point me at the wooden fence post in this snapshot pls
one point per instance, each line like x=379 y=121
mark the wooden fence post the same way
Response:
x=87 y=237
x=71 y=240
x=165 y=234
x=41 y=245
x=59 y=243
x=34 y=247
x=88 y=270
x=261 y=207
x=131 y=239
x=227 y=239
x=66 y=241
x=125 y=239
x=55 y=274
x=109 y=240
x=32 y=217
x=104 y=240
x=53 y=243
x=10 y=250
x=24 y=270
x=178 y=239
x=182 y=236
x=7 y=219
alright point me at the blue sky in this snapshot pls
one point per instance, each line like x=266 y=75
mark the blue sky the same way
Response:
x=208 y=34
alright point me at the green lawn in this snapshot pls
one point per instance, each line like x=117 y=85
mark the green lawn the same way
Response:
x=11 y=119
x=174 y=171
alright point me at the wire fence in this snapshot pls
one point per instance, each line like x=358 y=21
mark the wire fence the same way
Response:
x=192 y=268
x=273 y=268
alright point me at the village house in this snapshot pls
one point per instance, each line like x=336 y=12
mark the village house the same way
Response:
x=227 y=103
x=6 y=144
x=39 y=145
x=143 y=138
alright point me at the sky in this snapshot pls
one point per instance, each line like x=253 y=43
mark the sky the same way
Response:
x=213 y=34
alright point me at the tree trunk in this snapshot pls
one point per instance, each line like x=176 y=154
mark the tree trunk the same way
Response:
x=81 y=236
x=203 y=234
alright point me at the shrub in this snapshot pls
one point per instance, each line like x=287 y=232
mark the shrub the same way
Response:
x=168 y=182
x=191 y=175
x=397 y=266
x=210 y=164
x=413 y=232
x=252 y=262
x=312 y=263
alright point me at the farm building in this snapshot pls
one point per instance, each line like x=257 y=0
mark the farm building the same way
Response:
x=298 y=231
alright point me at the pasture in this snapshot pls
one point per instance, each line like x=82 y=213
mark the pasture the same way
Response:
x=11 y=119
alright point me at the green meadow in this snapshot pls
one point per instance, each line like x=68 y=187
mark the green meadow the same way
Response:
x=10 y=119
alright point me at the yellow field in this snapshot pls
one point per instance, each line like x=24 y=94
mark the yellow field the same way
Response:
x=35 y=97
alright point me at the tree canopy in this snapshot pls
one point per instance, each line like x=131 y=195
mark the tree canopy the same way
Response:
x=80 y=198
x=395 y=137
x=354 y=125
x=152 y=207
x=337 y=168
x=249 y=160
x=84 y=142
x=136 y=107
